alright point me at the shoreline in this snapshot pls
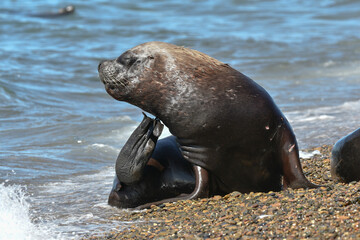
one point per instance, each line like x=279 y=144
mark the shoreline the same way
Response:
x=328 y=212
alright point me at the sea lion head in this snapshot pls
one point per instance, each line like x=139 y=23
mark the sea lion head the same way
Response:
x=124 y=76
x=67 y=10
x=168 y=81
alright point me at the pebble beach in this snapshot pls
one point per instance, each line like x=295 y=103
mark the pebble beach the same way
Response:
x=328 y=212
x=62 y=132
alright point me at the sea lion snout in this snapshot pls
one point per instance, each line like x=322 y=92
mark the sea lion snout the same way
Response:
x=100 y=70
x=107 y=71
x=108 y=74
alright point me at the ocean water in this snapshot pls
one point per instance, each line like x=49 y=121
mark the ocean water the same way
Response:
x=60 y=132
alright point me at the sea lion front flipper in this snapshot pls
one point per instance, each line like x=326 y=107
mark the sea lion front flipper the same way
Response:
x=137 y=150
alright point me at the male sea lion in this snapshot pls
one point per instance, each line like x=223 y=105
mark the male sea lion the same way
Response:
x=345 y=159
x=226 y=125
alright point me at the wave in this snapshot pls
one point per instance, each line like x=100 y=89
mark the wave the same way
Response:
x=68 y=208
x=77 y=205
x=325 y=125
x=15 y=217
x=326 y=113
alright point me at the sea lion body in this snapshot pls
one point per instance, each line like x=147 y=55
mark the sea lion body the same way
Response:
x=137 y=182
x=345 y=159
x=226 y=124
x=61 y=12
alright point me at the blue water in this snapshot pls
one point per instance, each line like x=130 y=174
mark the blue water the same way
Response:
x=60 y=132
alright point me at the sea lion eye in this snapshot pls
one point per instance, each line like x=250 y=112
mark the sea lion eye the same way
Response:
x=126 y=60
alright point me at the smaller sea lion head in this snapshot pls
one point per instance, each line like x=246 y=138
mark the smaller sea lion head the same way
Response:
x=67 y=10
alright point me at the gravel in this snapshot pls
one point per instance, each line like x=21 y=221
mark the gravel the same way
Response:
x=328 y=212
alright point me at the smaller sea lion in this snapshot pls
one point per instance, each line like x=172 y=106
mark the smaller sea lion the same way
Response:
x=137 y=150
x=345 y=159
x=62 y=12
x=148 y=173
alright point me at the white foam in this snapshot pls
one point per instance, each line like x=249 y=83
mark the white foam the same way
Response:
x=307 y=155
x=324 y=125
x=329 y=63
x=121 y=119
x=324 y=113
x=104 y=147
x=314 y=118
x=15 y=218
x=350 y=70
x=78 y=205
